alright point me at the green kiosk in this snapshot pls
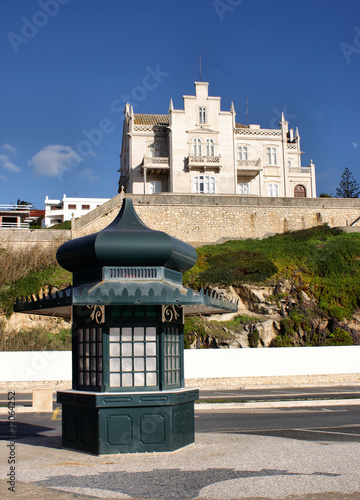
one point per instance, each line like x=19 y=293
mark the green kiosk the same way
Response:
x=128 y=302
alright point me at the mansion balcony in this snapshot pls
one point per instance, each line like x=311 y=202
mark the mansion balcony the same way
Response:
x=249 y=168
x=156 y=164
x=204 y=162
x=299 y=170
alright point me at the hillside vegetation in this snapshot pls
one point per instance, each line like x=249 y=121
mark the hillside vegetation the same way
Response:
x=322 y=261
x=321 y=264
x=28 y=271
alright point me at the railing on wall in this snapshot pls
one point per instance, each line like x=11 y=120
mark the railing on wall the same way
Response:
x=14 y=225
x=16 y=208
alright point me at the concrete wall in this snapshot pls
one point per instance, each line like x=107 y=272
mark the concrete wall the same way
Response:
x=200 y=219
x=21 y=238
x=238 y=364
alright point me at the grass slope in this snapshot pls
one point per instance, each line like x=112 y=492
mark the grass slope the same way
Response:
x=322 y=261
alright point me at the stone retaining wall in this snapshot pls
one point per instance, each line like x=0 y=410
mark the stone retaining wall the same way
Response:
x=200 y=219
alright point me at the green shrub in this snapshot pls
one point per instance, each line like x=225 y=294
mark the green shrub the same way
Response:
x=339 y=337
x=253 y=337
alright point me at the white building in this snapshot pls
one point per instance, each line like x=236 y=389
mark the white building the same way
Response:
x=57 y=211
x=201 y=149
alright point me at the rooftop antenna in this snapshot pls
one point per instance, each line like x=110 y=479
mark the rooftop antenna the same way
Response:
x=247 y=112
x=200 y=65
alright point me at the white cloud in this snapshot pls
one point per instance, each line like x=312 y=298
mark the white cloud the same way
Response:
x=9 y=165
x=355 y=144
x=88 y=174
x=9 y=148
x=3 y=178
x=54 y=160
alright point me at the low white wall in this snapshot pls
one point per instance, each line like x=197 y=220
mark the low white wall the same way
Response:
x=201 y=363
x=35 y=366
x=272 y=362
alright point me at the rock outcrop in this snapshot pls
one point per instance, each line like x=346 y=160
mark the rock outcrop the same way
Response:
x=279 y=315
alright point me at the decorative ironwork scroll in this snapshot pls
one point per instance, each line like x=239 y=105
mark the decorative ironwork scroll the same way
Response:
x=98 y=313
x=172 y=313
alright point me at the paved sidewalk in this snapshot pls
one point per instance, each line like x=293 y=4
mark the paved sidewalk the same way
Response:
x=216 y=466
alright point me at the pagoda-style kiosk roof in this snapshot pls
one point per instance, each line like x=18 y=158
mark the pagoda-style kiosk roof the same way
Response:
x=127 y=263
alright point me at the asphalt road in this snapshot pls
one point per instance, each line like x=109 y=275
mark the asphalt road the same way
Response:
x=327 y=423
x=324 y=424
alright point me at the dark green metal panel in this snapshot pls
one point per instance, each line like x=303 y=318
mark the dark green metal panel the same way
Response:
x=104 y=424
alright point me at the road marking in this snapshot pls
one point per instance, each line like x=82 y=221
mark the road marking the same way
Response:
x=327 y=409
x=327 y=432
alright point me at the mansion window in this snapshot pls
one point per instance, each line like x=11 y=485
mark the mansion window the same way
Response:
x=154 y=187
x=154 y=150
x=242 y=153
x=85 y=207
x=197 y=147
x=202 y=114
x=244 y=188
x=273 y=190
x=204 y=184
x=210 y=147
x=271 y=156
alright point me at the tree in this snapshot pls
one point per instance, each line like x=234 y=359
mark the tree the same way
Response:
x=22 y=202
x=348 y=187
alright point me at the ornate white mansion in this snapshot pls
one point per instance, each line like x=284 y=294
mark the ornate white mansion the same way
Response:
x=201 y=149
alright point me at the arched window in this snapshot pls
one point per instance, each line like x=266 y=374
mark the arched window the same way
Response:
x=242 y=153
x=299 y=191
x=197 y=146
x=204 y=184
x=210 y=147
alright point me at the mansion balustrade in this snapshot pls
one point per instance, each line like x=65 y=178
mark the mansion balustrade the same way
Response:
x=205 y=162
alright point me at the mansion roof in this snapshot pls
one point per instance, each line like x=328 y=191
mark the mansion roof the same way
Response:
x=142 y=119
x=162 y=120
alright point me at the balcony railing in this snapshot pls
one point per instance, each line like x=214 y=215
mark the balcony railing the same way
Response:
x=249 y=163
x=299 y=170
x=17 y=208
x=14 y=225
x=204 y=162
x=156 y=164
x=248 y=167
x=154 y=161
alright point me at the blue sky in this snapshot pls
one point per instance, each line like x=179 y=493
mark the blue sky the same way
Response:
x=68 y=67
